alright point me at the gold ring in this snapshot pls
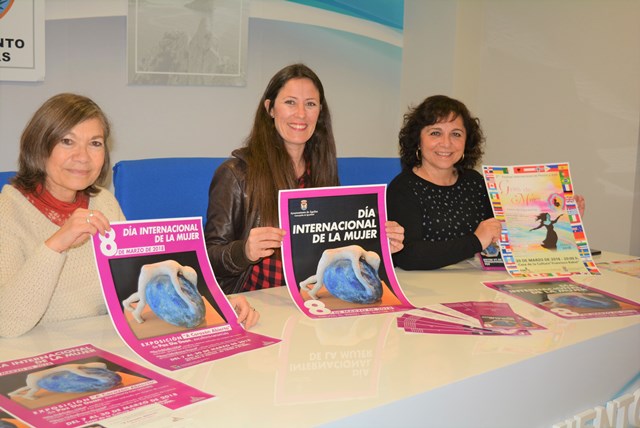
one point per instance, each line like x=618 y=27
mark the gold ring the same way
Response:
x=89 y=219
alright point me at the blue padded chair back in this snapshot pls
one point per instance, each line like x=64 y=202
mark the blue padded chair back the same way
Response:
x=179 y=187
x=164 y=188
x=4 y=177
x=358 y=171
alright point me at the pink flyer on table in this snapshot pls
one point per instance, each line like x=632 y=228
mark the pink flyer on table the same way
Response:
x=472 y=318
x=163 y=297
x=567 y=298
x=336 y=255
x=82 y=385
x=413 y=324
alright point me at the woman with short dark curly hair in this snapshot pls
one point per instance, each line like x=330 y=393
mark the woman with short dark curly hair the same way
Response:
x=432 y=110
x=438 y=198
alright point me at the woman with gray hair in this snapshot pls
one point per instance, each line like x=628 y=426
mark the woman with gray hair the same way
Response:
x=48 y=213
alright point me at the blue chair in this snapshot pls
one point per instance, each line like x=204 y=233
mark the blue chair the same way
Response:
x=179 y=187
x=5 y=176
x=164 y=188
x=358 y=171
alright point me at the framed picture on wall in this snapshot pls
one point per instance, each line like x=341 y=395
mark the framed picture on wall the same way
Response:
x=22 y=45
x=187 y=42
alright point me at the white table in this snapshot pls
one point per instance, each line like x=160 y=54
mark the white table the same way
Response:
x=365 y=371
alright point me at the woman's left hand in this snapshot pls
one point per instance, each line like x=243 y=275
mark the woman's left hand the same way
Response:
x=247 y=314
x=395 y=233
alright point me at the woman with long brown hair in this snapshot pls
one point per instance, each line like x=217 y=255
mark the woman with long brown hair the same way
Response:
x=291 y=145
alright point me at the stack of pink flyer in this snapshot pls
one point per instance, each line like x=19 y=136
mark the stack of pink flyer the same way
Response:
x=467 y=318
x=336 y=255
x=82 y=385
x=162 y=296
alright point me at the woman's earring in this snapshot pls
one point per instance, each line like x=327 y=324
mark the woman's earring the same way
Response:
x=418 y=155
x=462 y=158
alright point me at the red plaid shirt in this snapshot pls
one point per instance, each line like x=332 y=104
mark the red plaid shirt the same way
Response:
x=268 y=272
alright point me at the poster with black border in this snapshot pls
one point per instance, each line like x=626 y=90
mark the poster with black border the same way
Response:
x=162 y=295
x=542 y=231
x=83 y=385
x=566 y=298
x=336 y=255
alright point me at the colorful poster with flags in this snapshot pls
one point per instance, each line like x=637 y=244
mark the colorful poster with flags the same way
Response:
x=542 y=231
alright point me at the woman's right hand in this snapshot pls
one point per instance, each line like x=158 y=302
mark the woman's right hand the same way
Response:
x=488 y=231
x=82 y=224
x=262 y=242
x=247 y=314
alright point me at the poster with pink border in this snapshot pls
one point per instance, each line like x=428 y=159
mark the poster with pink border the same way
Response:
x=82 y=385
x=542 y=231
x=566 y=298
x=162 y=295
x=336 y=255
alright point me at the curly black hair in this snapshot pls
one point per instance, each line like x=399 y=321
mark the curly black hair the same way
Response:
x=434 y=109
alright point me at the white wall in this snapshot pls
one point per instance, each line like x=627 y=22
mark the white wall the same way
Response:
x=551 y=81
x=635 y=218
x=361 y=77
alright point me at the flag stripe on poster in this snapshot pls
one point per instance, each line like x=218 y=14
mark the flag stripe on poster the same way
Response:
x=522 y=197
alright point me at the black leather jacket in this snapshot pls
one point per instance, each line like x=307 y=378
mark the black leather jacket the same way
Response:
x=229 y=223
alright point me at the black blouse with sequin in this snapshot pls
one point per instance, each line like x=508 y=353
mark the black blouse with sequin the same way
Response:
x=438 y=221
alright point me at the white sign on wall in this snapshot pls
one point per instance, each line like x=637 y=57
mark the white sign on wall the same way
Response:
x=22 y=40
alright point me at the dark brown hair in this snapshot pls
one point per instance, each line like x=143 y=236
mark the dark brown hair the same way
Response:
x=434 y=109
x=270 y=168
x=49 y=124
